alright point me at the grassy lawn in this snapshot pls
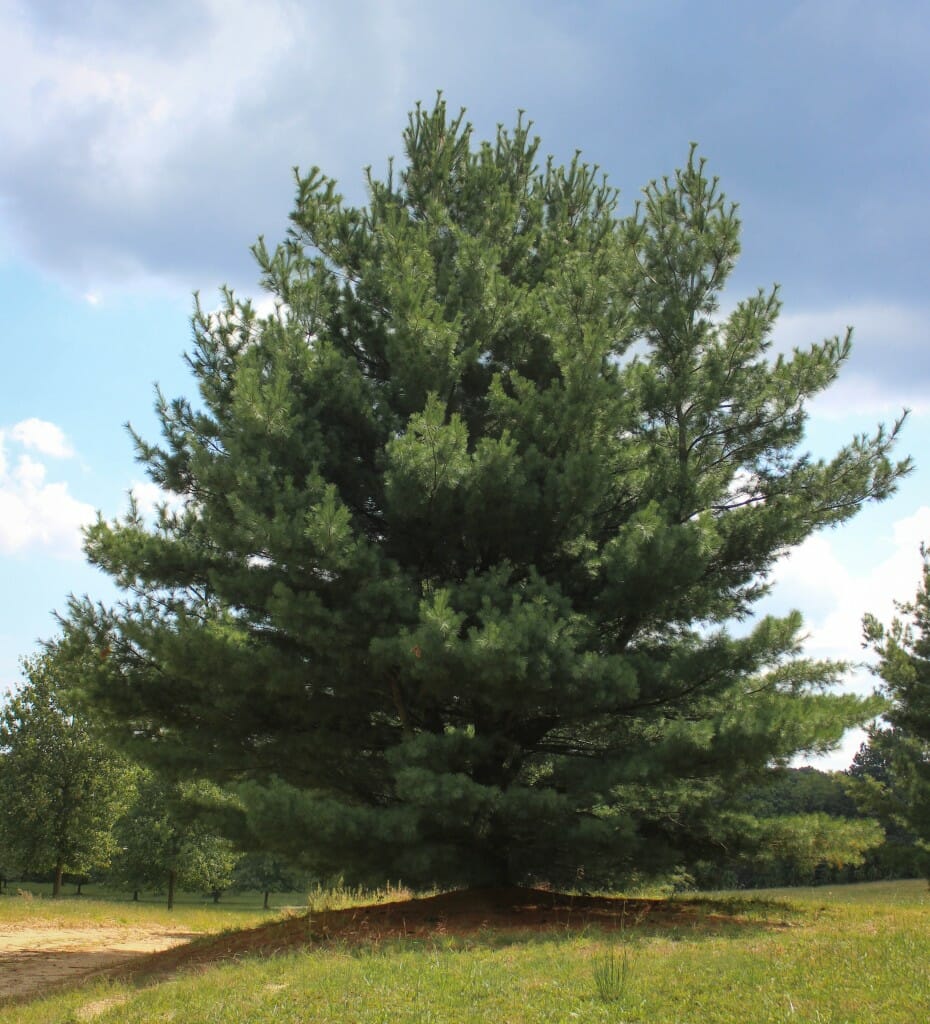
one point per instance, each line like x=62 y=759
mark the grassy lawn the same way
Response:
x=31 y=903
x=100 y=907
x=828 y=955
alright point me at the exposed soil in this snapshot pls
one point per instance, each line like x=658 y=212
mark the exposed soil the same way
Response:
x=35 y=961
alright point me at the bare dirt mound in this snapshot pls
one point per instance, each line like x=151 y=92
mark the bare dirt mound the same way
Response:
x=35 y=967
x=462 y=914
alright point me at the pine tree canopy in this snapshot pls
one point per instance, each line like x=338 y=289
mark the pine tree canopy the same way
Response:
x=462 y=525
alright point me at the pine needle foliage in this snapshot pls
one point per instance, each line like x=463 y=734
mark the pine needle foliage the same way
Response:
x=462 y=523
x=896 y=785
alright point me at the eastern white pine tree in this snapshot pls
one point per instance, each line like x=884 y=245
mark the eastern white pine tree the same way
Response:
x=898 y=786
x=464 y=522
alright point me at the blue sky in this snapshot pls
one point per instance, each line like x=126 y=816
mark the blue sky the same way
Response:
x=145 y=148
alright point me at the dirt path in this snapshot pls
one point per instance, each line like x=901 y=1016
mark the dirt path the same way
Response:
x=35 y=960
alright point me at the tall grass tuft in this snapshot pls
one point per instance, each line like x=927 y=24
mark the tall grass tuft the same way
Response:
x=612 y=974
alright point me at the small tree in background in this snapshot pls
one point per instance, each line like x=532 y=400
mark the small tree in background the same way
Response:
x=164 y=845
x=890 y=776
x=268 y=873
x=903 y=648
x=873 y=782
x=794 y=846
x=7 y=861
x=463 y=524
x=801 y=827
x=61 y=787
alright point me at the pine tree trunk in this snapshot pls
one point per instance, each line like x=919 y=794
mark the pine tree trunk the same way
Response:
x=265 y=904
x=135 y=896
x=494 y=872
x=172 y=876
x=79 y=893
x=56 y=885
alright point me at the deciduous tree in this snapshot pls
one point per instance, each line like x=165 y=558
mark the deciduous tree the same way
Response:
x=164 y=845
x=268 y=873
x=61 y=787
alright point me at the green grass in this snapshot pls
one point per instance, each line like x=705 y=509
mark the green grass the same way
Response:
x=842 y=955
x=193 y=915
x=911 y=892
x=99 y=906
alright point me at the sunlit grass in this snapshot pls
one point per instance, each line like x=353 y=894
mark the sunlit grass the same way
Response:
x=89 y=912
x=912 y=892
x=100 y=908
x=842 y=955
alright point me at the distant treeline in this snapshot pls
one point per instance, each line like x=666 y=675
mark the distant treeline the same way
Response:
x=834 y=795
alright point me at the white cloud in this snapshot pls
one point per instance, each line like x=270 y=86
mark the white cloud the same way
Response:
x=135 y=111
x=149 y=496
x=128 y=153
x=29 y=474
x=42 y=436
x=890 y=362
x=834 y=582
x=836 y=591
x=842 y=757
x=35 y=513
x=266 y=304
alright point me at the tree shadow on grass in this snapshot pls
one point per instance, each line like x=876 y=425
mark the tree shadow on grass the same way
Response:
x=464 y=920
x=481 y=918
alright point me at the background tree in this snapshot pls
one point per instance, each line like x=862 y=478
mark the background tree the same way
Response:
x=268 y=873
x=903 y=648
x=463 y=523
x=165 y=845
x=794 y=847
x=804 y=790
x=7 y=859
x=802 y=827
x=872 y=782
x=61 y=787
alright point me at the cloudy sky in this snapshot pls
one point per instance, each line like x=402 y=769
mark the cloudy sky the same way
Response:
x=145 y=147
